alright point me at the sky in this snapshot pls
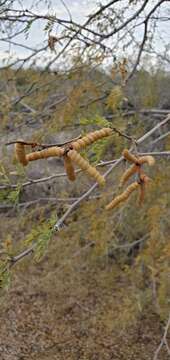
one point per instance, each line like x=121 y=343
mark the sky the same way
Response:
x=79 y=9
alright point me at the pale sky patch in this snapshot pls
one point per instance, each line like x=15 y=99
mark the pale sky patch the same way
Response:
x=79 y=9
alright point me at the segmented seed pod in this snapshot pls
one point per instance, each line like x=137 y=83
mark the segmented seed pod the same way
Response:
x=146 y=159
x=91 y=138
x=84 y=165
x=20 y=153
x=46 y=153
x=69 y=168
x=128 y=173
x=144 y=179
x=141 y=193
x=122 y=197
x=130 y=157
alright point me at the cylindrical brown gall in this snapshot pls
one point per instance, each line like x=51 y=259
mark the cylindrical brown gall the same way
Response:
x=130 y=157
x=69 y=168
x=144 y=180
x=46 y=153
x=20 y=153
x=148 y=159
x=128 y=173
x=141 y=193
x=91 y=138
x=79 y=144
x=123 y=197
x=84 y=165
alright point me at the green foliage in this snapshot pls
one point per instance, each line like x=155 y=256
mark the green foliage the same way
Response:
x=3 y=195
x=14 y=195
x=97 y=120
x=99 y=149
x=10 y=196
x=115 y=98
x=5 y=275
x=50 y=23
x=28 y=27
x=4 y=174
x=41 y=236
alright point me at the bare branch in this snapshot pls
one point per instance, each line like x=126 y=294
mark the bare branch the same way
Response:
x=51 y=200
x=143 y=112
x=163 y=340
x=140 y=51
x=43 y=146
x=18 y=257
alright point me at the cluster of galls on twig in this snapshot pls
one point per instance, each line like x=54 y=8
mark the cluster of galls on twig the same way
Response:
x=70 y=155
x=140 y=183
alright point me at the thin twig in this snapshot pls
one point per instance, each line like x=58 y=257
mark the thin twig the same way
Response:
x=150 y=132
x=33 y=144
x=160 y=138
x=131 y=245
x=120 y=133
x=20 y=256
x=51 y=200
x=141 y=48
x=163 y=340
x=161 y=112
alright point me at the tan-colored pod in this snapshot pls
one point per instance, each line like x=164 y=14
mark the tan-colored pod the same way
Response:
x=84 y=165
x=128 y=173
x=69 y=168
x=144 y=179
x=146 y=159
x=91 y=138
x=46 y=153
x=20 y=153
x=130 y=157
x=122 y=197
x=141 y=194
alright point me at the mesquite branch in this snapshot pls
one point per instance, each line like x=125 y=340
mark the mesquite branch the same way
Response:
x=43 y=146
x=85 y=195
x=162 y=154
